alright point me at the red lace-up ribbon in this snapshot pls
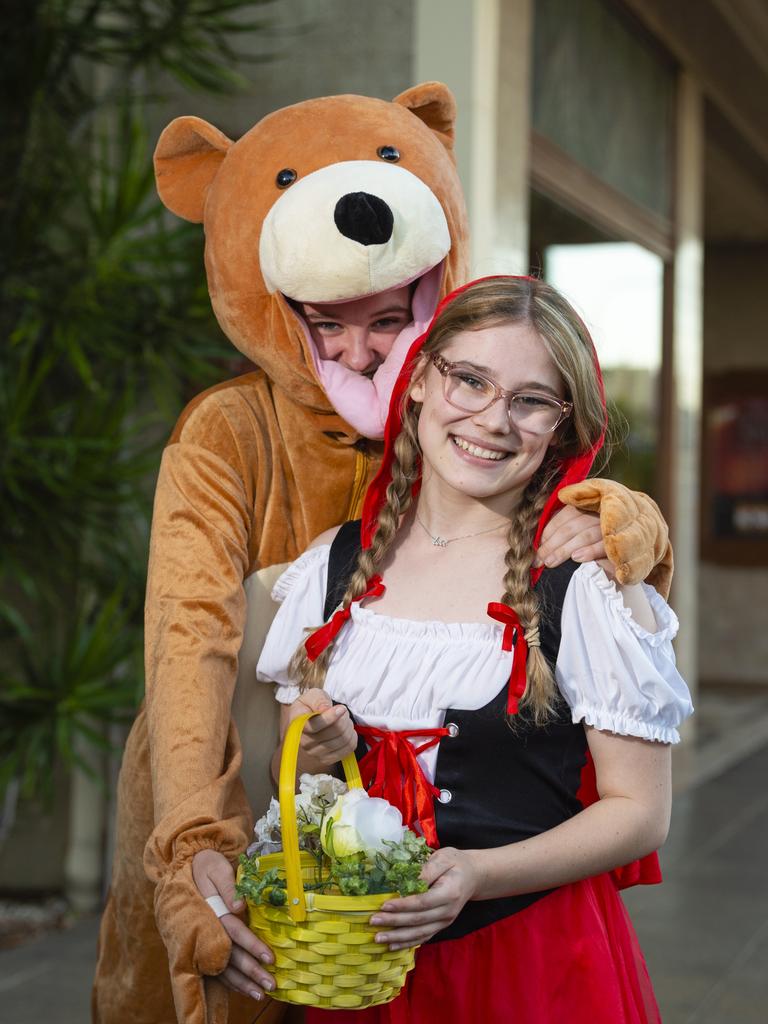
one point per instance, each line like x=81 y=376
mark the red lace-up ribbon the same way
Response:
x=513 y=640
x=391 y=770
x=316 y=642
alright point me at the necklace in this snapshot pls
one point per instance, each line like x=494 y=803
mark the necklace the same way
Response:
x=442 y=542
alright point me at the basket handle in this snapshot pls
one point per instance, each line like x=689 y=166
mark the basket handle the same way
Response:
x=297 y=906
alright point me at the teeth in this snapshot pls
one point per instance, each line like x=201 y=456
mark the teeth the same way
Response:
x=481 y=453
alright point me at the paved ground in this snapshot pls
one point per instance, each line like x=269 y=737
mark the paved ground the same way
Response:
x=48 y=981
x=704 y=932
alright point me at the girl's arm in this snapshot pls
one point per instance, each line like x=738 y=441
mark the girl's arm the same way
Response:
x=634 y=598
x=630 y=820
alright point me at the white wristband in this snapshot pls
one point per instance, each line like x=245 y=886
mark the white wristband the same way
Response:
x=217 y=905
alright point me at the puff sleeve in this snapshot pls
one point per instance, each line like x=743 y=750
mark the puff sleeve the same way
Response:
x=614 y=674
x=301 y=593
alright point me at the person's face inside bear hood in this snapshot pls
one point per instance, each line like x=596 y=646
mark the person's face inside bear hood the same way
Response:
x=359 y=334
x=329 y=204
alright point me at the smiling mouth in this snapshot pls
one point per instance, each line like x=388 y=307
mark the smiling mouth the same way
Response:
x=490 y=454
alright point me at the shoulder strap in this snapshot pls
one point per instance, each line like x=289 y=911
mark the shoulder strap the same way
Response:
x=551 y=589
x=345 y=548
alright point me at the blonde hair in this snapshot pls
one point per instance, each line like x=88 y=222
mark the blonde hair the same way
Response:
x=489 y=303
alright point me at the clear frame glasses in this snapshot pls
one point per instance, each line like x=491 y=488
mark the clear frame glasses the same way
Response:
x=469 y=391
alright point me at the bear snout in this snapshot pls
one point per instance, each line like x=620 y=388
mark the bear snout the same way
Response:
x=350 y=229
x=364 y=218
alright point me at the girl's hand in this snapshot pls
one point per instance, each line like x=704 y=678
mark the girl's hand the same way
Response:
x=214 y=876
x=453 y=877
x=328 y=736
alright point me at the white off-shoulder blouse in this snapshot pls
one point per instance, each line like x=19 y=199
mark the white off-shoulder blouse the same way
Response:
x=404 y=674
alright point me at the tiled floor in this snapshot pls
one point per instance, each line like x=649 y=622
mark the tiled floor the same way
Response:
x=704 y=931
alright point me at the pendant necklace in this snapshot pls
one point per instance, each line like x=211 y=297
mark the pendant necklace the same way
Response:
x=442 y=542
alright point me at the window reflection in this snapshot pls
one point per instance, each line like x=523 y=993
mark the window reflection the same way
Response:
x=617 y=287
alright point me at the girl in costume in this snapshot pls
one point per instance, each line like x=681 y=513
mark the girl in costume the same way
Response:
x=493 y=700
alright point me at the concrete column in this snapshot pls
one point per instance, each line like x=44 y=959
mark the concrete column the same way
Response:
x=513 y=133
x=481 y=49
x=83 y=866
x=687 y=369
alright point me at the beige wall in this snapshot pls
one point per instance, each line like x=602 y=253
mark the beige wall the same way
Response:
x=321 y=49
x=733 y=643
x=482 y=51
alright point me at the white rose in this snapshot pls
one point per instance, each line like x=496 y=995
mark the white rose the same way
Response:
x=361 y=824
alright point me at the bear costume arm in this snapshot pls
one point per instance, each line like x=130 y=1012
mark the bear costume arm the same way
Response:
x=635 y=533
x=195 y=615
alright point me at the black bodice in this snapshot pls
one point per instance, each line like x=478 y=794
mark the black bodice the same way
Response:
x=498 y=783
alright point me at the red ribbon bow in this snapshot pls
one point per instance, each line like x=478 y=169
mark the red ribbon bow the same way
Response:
x=316 y=642
x=390 y=770
x=513 y=640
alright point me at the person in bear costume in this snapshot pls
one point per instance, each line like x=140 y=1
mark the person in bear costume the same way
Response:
x=322 y=202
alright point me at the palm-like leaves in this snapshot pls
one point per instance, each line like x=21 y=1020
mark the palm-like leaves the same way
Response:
x=107 y=330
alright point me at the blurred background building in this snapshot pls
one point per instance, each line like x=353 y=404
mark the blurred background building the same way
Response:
x=620 y=148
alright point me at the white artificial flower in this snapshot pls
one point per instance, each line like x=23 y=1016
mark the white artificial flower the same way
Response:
x=324 y=787
x=359 y=823
x=267 y=832
x=316 y=794
x=272 y=817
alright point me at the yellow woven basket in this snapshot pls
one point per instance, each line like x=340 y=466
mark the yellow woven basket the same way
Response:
x=325 y=954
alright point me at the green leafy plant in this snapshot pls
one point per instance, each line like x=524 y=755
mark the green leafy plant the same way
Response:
x=107 y=330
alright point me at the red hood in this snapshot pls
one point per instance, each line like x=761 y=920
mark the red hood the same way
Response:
x=572 y=470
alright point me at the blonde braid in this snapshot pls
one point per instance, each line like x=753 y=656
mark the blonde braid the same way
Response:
x=540 y=691
x=405 y=471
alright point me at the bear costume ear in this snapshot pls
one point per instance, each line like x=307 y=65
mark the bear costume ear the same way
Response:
x=187 y=158
x=432 y=103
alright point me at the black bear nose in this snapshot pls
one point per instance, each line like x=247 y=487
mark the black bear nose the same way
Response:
x=364 y=218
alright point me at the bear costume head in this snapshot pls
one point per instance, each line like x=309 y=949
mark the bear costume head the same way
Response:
x=326 y=201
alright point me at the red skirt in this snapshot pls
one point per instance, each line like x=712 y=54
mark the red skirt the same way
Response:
x=571 y=956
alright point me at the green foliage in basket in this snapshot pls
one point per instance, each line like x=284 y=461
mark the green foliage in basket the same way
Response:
x=396 y=869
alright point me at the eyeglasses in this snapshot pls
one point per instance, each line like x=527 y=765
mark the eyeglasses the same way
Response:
x=469 y=391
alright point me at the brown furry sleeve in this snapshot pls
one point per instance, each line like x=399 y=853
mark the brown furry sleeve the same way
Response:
x=195 y=613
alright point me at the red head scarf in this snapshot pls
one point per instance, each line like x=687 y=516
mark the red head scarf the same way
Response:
x=572 y=470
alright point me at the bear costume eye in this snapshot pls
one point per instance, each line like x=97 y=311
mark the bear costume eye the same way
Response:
x=285 y=177
x=390 y=153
